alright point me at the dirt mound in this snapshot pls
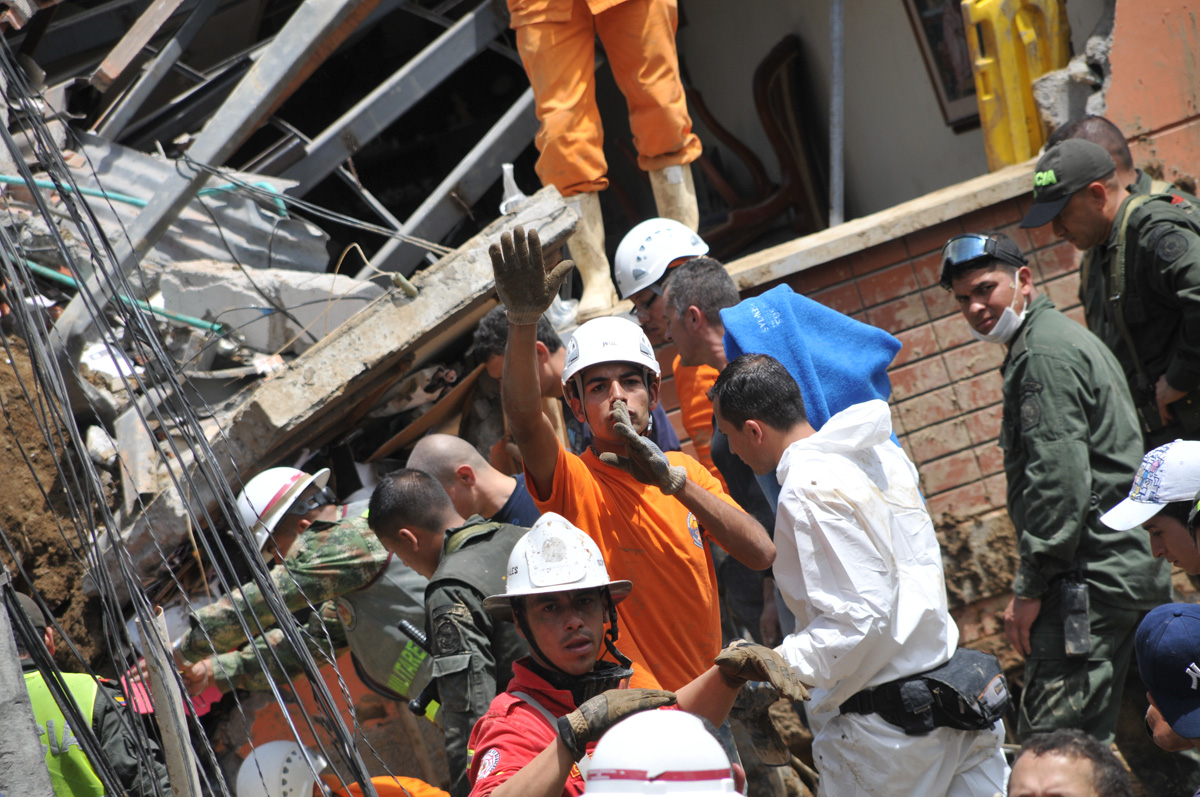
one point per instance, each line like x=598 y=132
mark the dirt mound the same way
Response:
x=35 y=515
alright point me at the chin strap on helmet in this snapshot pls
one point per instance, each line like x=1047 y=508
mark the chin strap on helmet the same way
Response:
x=613 y=632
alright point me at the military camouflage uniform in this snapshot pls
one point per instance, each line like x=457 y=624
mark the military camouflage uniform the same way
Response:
x=1161 y=302
x=1071 y=446
x=473 y=653
x=328 y=562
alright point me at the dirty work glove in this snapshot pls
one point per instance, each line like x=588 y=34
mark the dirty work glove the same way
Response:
x=745 y=661
x=521 y=279
x=588 y=723
x=645 y=461
x=752 y=710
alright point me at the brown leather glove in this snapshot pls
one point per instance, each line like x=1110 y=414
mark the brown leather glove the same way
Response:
x=521 y=278
x=745 y=661
x=645 y=461
x=588 y=723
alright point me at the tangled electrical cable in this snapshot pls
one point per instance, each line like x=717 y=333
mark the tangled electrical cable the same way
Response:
x=89 y=516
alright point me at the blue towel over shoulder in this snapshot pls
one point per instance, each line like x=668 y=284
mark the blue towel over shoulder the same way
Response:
x=837 y=361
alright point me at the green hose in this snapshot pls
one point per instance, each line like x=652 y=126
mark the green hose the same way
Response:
x=69 y=282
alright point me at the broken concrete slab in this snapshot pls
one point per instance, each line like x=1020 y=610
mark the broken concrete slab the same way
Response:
x=273 y=310
x=306 y=404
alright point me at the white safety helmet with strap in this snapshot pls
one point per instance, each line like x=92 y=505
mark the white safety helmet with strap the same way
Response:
x=266 y=498
x=645 y=252
x=660 y=752
x=608 y=340
x=553 y=556
x=279 y=769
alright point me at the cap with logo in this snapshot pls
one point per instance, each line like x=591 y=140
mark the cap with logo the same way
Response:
x=1065 y=168
x=1168 y=473
x=1168 y=656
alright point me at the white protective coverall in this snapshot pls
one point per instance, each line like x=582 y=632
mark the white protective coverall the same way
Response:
x=859 y=564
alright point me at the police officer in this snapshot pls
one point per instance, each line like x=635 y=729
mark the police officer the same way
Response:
x=327 y=557
x=1140 y=280
x=1071 y=444
x=71 y=773
x=464 y=560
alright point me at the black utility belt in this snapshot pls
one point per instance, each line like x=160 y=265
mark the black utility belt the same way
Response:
x=968 y=693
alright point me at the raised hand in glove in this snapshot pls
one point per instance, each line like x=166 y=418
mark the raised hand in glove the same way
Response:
x=588 y=723
x=745 y=661
x=521 y=279
x=644 y=461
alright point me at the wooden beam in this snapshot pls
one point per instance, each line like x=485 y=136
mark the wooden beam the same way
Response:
x=120 y=57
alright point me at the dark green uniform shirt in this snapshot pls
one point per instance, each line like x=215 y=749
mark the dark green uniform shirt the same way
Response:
x=473 y=653
x=1071 y=446
x=1161 y=301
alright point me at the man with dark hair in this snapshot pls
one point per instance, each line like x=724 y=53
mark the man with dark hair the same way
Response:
x=1140 y=280
x=1071 y=445
x=860 y=567
x=464 y=560
x=491 y=340
x=1067 y=763
x=474 y=486
x=1161 y=501
x=134 y=757
x=1101 y=131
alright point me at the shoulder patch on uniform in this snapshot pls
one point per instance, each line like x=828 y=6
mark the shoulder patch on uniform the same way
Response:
x=1176 y=199
x=693 y=527
x=489 y=762
x=1031 y=410
x=1171 y=246
x=447 y=634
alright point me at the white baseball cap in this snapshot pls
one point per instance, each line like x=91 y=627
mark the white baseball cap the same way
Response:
x=1168 y=473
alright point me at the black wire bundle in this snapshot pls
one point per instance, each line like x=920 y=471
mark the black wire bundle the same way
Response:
x=163 y=403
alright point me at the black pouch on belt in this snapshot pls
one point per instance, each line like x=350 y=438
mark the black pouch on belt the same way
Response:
x=970 y=691
x=1077 y=626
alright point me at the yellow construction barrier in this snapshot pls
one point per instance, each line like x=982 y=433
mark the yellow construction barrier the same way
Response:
x=1013 y=42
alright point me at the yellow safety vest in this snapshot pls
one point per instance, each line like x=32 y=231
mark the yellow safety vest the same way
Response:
x=70 y=771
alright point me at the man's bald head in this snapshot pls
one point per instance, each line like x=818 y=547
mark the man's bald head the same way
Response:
x=440 y=455
x=1099 y=130
x=475 y=487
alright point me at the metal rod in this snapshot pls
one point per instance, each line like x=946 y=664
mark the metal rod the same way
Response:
x=168 y=707
x=837 y=113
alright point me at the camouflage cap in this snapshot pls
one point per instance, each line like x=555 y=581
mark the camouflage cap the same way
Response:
x=1065 y=168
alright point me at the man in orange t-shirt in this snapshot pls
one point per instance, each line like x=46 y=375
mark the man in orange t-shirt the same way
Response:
x=648 y=512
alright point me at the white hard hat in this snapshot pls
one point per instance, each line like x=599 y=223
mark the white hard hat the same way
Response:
x=659 y=752
x=279 y=769
x=553 y=556
x=608 y=340
x=266 y=498
x=647 y=250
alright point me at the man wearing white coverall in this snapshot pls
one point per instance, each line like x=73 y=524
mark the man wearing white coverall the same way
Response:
x=859 y=565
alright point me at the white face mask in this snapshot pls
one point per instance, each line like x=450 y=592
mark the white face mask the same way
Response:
x=1010 y=321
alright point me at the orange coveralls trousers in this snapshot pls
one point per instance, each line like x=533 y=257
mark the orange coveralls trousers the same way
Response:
x=557 y=42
